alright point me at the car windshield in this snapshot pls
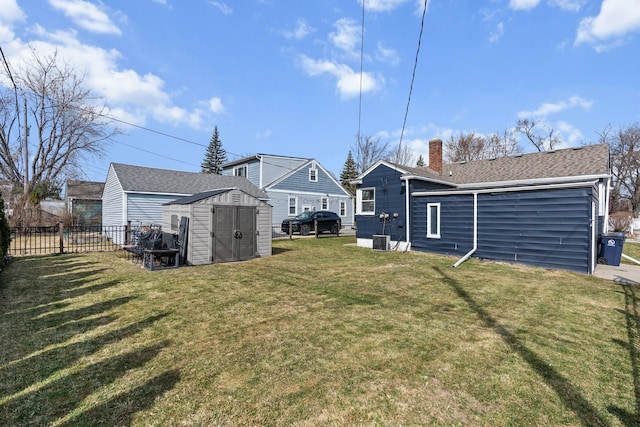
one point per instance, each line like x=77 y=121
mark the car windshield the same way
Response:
x=305 y=215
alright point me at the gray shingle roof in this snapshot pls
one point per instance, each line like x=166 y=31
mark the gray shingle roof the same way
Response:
x=588 y=160
x=164 y=181
x=187 y=200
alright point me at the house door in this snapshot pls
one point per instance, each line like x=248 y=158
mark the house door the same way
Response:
x=233 y=236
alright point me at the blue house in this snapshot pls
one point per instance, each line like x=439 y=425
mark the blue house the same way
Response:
x=543 y=209
x=294 y=185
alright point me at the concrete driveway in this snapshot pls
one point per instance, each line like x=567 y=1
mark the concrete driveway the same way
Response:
x=625 y=273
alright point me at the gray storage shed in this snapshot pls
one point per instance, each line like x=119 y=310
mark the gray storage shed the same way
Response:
x=223 y=225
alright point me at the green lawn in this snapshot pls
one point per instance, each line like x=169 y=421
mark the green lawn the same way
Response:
x=321 y=333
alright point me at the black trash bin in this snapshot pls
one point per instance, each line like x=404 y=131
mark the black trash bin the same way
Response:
x=611 y=248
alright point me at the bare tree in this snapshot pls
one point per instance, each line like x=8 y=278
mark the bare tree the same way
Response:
x=502 y=144
x=624 y=146
x=465 y=147
x=402 y=155
x=542 y=137
x=66 y=124
x=367 y=150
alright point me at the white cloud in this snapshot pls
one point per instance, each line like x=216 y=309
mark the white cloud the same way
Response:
x=348 y=81
x=569 y=5
x=301 y=31
x=215 y=105
x=387 y=55
x=617 y=18
x=548 y=108
x=347 y=35
x=86 y=15
x=497 y=33
x=264 y=134
x=523 y=4
x=10 y=11
x=222 y=7
x=569 y=134
x=382 y=5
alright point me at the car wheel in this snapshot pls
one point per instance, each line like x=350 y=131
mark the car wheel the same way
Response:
x=335 y=229
x=304 y=230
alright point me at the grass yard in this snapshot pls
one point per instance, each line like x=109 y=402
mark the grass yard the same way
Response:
x=321 y=333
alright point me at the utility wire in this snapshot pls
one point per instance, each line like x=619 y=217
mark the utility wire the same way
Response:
x=361 y=70
x=415 y=66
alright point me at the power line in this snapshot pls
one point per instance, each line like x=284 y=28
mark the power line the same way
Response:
x=415 y=66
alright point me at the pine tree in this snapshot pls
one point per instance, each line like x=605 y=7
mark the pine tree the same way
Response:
x=349 y=172
x=215 y=156
x=420 y=162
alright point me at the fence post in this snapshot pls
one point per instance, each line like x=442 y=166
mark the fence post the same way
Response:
x=290 y=231
x=127 y=233
x=315 y=227
x=61 y=233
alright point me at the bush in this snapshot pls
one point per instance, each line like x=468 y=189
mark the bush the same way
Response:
x=5 y=234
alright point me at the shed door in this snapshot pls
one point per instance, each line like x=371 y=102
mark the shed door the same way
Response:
x=234 y=233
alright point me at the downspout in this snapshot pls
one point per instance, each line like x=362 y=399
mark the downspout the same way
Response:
x=407 y=214
x=475 y=232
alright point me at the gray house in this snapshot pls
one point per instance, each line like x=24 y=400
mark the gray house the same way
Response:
x=136 y=193
x=544 y=209
x=223 y=225
x=294 y=185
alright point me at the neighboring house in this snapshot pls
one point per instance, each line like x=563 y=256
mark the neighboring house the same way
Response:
x=223 y=225
x=137 y=193
x=294 y=185
x=84 y=202
x=545 y=209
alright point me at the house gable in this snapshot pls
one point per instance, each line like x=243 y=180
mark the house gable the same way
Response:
x=311 y=178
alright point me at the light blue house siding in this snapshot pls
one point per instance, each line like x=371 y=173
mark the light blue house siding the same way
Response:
x=550 y=228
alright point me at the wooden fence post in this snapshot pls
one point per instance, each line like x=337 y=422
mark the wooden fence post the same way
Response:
x=61 y=234
x=290 y=230
x=315 y=227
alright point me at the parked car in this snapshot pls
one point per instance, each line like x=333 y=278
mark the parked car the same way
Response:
x=305 y=222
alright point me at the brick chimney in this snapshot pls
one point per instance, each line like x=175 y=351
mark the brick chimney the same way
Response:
x=435 y=155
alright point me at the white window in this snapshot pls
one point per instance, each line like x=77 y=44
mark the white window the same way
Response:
x=343 y=208
x=366 y=199
x=293 y=206
x=433 y=220
x=325 y=203
x=240 y=171
x=313 y=175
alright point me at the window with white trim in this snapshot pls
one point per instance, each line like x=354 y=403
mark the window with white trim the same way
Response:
x=366 y=199
x=433 y=220
x=240 y=171
x=324 y=203
x=313 y=174
x=343 y=208
x=293 y=206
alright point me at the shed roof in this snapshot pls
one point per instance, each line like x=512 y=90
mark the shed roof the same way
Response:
x=85 y=190
x=589 y=160
x=152 y=180
x=187 y=200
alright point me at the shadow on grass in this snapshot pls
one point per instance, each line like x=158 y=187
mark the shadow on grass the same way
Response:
x=631 y=290
x=121 y=409
x=40 y=382
x=568 y=393
x=58 y=398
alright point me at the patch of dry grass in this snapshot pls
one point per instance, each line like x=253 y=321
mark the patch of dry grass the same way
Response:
x=321 y=333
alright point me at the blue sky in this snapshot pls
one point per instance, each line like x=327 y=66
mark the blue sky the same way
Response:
x=283 y=77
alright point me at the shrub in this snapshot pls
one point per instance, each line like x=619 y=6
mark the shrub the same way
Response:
x=5 y=234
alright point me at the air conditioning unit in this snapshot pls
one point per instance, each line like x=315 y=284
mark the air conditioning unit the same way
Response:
x=380 y=242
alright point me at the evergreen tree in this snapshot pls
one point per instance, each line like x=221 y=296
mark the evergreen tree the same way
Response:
x=349 y=172
x=215 y=156
x=420 y=162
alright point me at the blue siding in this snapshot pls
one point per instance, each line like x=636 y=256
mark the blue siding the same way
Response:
x=545 y=228
x=298 y=182
x=390 y=198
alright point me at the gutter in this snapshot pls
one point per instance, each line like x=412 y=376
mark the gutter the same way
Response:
x=475 y=232
x=407 y=213
x=506 y=190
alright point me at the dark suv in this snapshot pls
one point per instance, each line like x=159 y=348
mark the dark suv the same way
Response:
x=305 y=222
